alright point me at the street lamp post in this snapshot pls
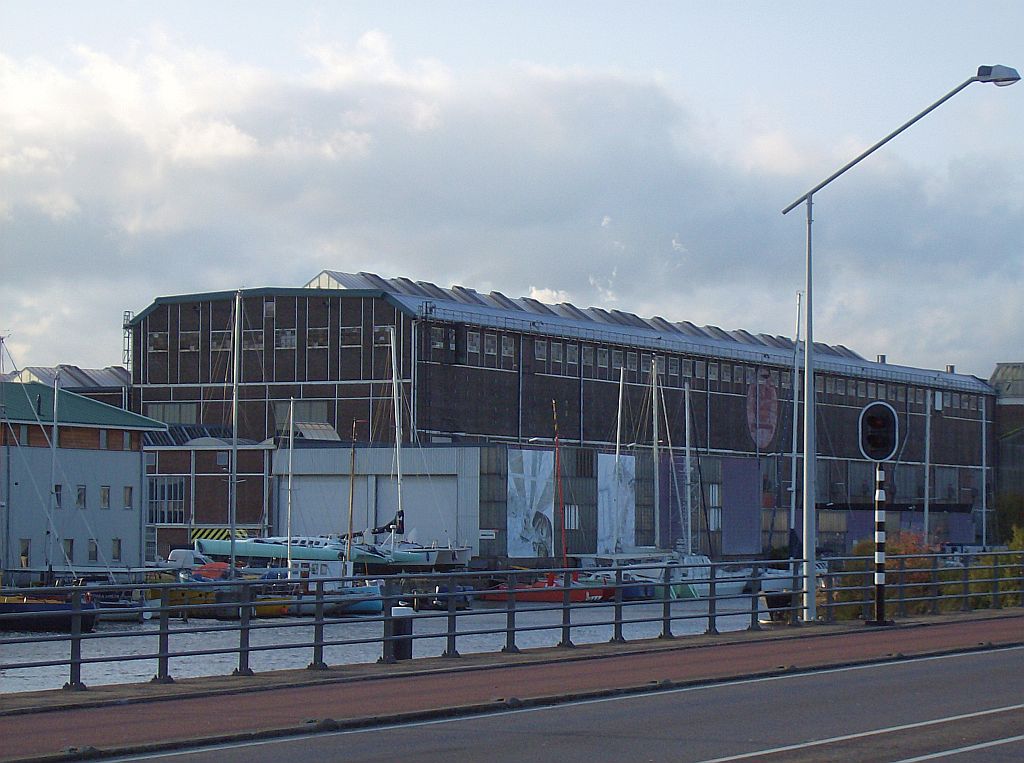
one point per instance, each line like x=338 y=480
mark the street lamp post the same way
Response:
x=997 y=75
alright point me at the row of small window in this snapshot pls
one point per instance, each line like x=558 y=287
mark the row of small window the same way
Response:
x=570 y=353
x=188 y=413
x=105 y=440
x=896 y=393
x=284 y=339
x=82 y=497
x=725 y=372
x=643 y=362
x=68 y=547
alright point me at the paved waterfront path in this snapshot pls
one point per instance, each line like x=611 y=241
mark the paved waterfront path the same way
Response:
x=59 y=724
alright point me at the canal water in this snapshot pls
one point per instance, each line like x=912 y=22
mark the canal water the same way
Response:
x=131 y=647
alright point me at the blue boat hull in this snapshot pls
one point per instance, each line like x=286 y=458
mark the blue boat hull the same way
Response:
x=44 y=616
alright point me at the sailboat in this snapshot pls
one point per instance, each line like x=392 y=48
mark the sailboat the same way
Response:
x=396 y=552
x=306 y=561
x=399 y=551
x=44 y=610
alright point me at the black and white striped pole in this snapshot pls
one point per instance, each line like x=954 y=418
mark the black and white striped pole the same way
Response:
x=880 y=548
x=879 y=435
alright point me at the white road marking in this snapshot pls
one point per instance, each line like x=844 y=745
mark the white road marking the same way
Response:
x=959 y=750
x=864 y=734
x=809 y=672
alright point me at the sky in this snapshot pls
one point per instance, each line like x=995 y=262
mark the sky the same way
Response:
x=628 y=155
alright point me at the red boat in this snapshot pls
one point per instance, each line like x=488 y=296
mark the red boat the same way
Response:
x=550 y=589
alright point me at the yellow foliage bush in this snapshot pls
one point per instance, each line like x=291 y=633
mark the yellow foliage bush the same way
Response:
x=918 y=582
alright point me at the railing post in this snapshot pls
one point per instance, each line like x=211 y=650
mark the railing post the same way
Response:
x=965 y=579
x=666 y=604
x=75 y=684
x=566 y=611
x=1019 y=580
x=901 y=590
x=450 y=650
x=830 y=599
x=617 y=637
x=163 y=658
x=934 y=606
x=755 y=599
x=868 y=599
x=244 y=615
x=712 y=601
x=318 y=629
x=794 y=599
x=996 y=573
x=388 y=641
x=510 y=616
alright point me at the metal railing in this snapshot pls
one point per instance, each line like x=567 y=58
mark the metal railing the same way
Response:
x=223 y=625
x=923 y=584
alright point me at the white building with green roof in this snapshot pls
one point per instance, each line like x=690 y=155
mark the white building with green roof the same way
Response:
x=71 y=494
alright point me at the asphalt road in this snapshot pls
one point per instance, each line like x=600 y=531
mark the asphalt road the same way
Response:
x=963 y=707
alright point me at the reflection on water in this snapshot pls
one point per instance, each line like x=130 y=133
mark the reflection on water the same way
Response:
x=123 y=641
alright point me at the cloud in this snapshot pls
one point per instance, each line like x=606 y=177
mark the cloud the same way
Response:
x=172 y=170
x=549 y=296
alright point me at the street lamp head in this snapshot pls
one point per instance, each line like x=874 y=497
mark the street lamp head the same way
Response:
x=1001 y=76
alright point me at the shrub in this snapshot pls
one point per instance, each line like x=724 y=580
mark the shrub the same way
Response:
x=908 y=578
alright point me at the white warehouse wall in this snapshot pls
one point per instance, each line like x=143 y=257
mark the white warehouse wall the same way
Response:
x=28 y=471
x=440 y=492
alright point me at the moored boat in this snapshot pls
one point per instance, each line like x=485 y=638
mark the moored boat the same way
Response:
x=45 y=613
x=550 y=589
x=634 y=587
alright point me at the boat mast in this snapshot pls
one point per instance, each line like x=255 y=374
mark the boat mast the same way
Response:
x=683 y=521
x=617 y=545
x=400 y=514
x=558 y=485
x=351 y=492
x=657 y=474
x=618 y=417
x=236 y=345
x=927 y=461
x=689 y=483
x=291 y=451
x=5 y=500
x=51 y=526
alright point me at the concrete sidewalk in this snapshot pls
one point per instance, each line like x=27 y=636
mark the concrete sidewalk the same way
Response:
x=63 y=725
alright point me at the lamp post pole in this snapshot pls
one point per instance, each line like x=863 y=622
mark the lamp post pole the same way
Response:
x=810 y=445
x=997 y=75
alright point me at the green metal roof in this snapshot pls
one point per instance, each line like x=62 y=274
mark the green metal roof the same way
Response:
x=32 y=403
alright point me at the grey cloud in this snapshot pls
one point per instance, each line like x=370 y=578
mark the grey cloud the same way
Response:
x=505 y=186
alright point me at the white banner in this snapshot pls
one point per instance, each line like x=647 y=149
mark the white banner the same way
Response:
x=531 y=503
x=616 y=504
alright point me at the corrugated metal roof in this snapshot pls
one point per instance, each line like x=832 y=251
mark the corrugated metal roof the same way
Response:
x=73 y=377
x=1008 y=379
x=311 y=430
x=180 y=434
x=595 y=324
x=33 y=403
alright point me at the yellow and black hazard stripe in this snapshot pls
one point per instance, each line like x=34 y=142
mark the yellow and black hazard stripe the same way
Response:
x=216 y=533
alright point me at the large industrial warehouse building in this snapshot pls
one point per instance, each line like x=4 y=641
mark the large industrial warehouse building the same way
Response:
x=490 y=372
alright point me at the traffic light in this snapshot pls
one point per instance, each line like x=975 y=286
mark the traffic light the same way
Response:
x=879 y=431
